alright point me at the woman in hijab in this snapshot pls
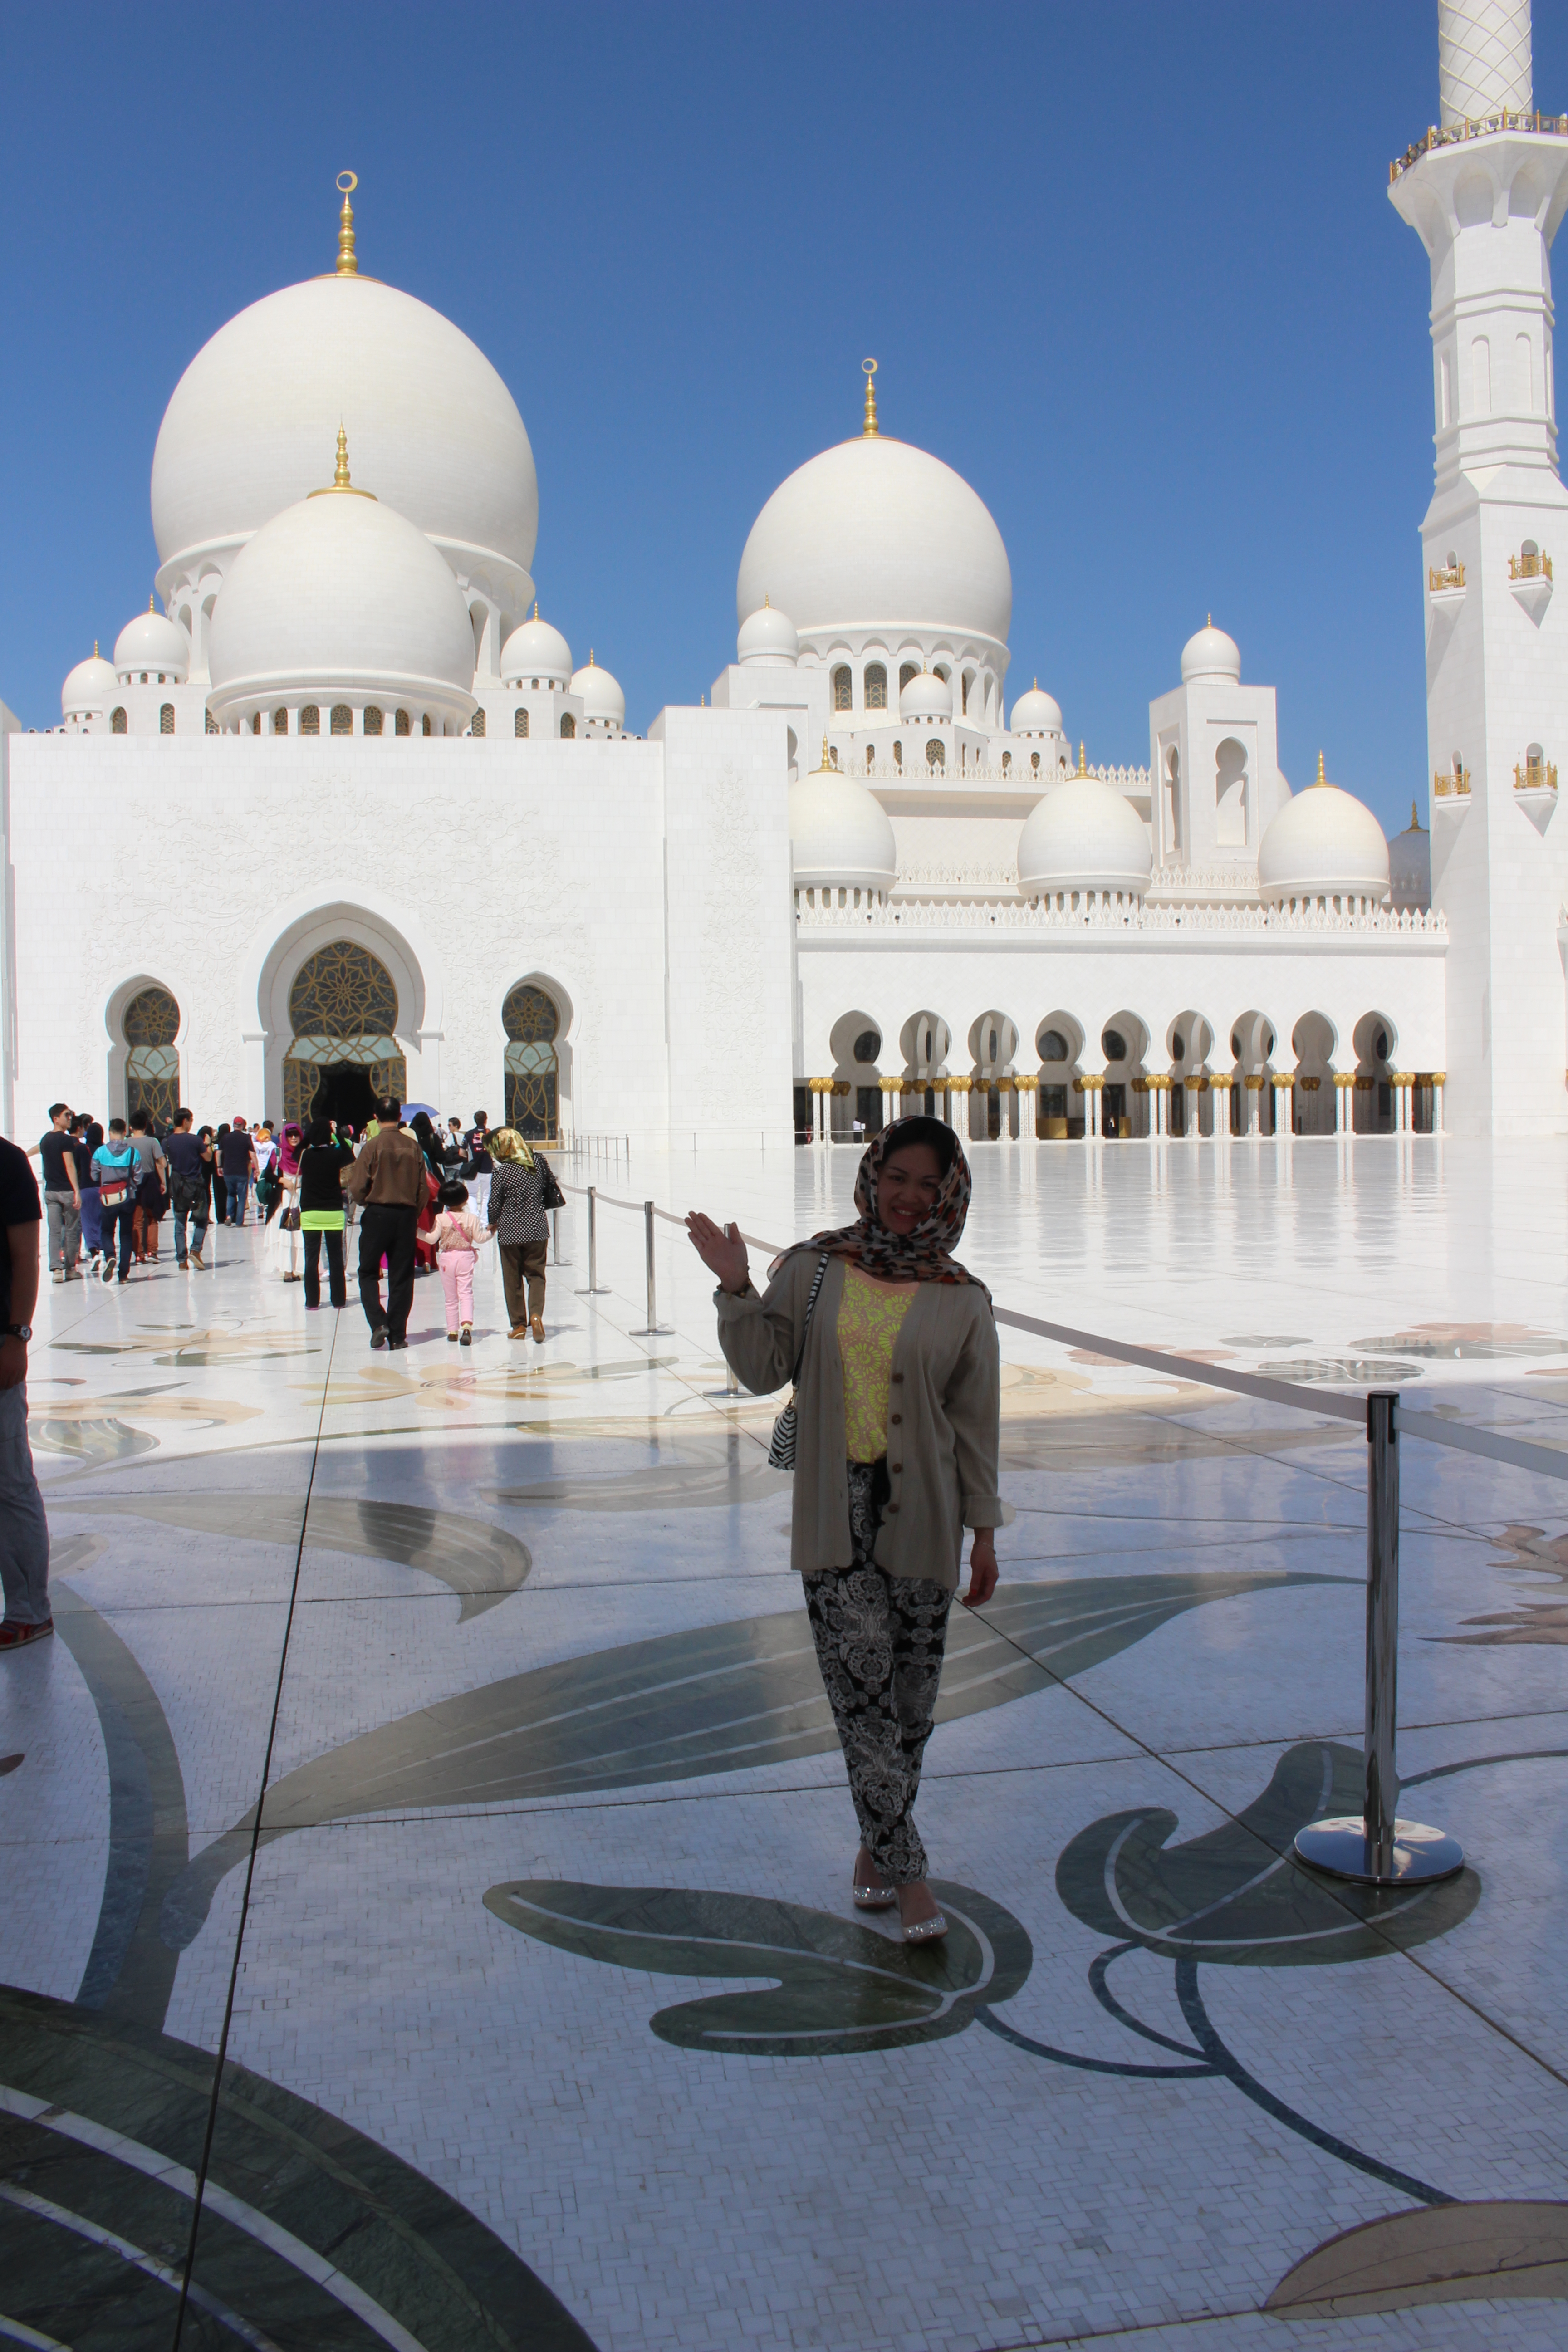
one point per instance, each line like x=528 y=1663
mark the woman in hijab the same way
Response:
x=892 y=1348
x=429 y=1143
x=284 y=1236
x=516 y=1214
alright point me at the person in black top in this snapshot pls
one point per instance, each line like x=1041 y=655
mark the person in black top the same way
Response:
x=23 y=1530
x=190 y=1161
x=320 y=1201
x=236 y=1158
x=62 y=1194
x=86 y=1137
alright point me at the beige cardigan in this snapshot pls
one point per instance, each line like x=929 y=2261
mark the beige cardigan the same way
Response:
x=942 y=1418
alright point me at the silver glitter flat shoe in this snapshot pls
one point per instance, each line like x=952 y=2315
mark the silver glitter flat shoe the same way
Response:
x=926 y=1931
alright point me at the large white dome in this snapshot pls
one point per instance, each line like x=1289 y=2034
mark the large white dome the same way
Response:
x=1324 y=844
x=840 y=833
x=876 y=534
x=340 y=599
x=1084 y=835
x=430 y=423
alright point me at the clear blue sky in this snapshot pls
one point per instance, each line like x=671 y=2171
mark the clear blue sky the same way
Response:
x=1131 y=268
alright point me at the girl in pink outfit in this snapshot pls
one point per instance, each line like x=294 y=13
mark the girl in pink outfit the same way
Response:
x=455 y=1237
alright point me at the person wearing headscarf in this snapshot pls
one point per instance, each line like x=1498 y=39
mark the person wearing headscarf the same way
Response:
x=516 y=1214
x=429 y=1143
x=897 y=1387
x=283 y=1237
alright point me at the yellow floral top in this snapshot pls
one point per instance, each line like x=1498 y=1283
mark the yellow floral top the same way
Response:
x=869 y=1320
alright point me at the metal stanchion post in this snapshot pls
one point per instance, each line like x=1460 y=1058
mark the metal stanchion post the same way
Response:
x=655 y=1329
x=555 y=1236
x=1378 y=1849
x=594 y=1285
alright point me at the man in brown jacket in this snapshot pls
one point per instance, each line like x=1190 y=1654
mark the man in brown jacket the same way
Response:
x=388 y=1182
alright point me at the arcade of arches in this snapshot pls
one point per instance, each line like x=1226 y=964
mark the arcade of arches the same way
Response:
x=1125 y=1083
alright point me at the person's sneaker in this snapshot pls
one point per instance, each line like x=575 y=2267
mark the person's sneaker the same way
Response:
x=58 y=1274
x=198 y=1260
x=451 y=1338
x=467 y=1336
x=397 y=1343
x=16 y=1637
x=108 y=1274
x=378 y=1338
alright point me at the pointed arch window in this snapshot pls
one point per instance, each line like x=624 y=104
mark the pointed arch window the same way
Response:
x=116 y=721
x=568 y=727
x=166 y=719
x=532 y=1019
x=280 y=720
x=520 y=721
x=478 y=725
x=151 y=1022
x=343 y=719
x=374 y=721
x=343 y=1009
x=310 y=720
x=843 y=687
x=876 y=686
x=400 y=723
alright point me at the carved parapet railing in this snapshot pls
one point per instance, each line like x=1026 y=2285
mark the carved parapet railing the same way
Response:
x=1535 y=124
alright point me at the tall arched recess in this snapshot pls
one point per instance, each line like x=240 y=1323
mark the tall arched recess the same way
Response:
x=342 y=1055
x=151 y=1022
x=534 y=1020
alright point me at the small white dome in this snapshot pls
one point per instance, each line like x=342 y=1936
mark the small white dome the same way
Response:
x=603 y=701
x=876 y=534
x=91 y=685
x=1323 y=844
x=926 y=697
x=536 y=651
x=1036 y=713
x=1084 y=835
x=154 y=643
x=338 y=598
x=1211 y=655
x=767 y=640
x=840 y=833
x=1410 y=868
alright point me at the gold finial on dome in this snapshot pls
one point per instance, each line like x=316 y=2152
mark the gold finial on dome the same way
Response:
x=1415 y=824
x=826 y=762
x=95 y=655
x=347 y=265
x=868 y=430
x=151 y=605
x=536 y=608
x=1082 y=768
x=340 y=480
x=1320 y=778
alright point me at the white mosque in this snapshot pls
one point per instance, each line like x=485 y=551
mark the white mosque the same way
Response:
x=339 y=775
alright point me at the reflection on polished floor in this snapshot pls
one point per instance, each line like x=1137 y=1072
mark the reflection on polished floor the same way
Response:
x=544 y=2017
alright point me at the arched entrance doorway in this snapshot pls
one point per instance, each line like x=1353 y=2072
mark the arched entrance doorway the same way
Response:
x=343 y=1053
x=532 y=1020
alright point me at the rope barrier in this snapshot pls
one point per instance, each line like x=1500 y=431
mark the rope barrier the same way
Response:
x=1377 y=1848
x=1518 y=1453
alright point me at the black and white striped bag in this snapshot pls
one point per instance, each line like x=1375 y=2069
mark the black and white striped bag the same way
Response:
x=781 y=1452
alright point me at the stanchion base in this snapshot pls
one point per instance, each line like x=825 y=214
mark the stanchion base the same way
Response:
x=593 y=1290
x=655 y=1331
x=1342 y=1848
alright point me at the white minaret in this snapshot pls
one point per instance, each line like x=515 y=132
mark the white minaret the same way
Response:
x=1485 y=192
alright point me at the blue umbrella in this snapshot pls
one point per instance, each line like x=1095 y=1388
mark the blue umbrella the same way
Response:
x=428 y=1108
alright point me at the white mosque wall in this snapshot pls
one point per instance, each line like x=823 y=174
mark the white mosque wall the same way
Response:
x=644 y=885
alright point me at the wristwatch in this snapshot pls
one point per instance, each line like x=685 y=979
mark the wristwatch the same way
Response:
x=15 y=1331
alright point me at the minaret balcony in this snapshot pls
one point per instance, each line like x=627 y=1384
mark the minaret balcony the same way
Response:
x=1550 y=126
x=1530 y=577
x=1446 y=583
x=1536 y=774
x=1452 y=784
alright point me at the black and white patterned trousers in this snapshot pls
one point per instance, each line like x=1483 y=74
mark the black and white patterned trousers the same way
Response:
x=880 y=1641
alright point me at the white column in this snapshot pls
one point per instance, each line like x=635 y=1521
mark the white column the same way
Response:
x=255 y=1044
x=1439 y=1077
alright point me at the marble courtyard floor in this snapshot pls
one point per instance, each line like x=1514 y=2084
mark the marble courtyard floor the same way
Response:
x=544 y=2019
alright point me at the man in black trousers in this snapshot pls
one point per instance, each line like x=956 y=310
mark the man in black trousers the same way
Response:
x=387 y=1180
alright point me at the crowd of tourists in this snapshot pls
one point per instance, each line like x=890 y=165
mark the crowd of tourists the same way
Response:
x=427 y=1199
